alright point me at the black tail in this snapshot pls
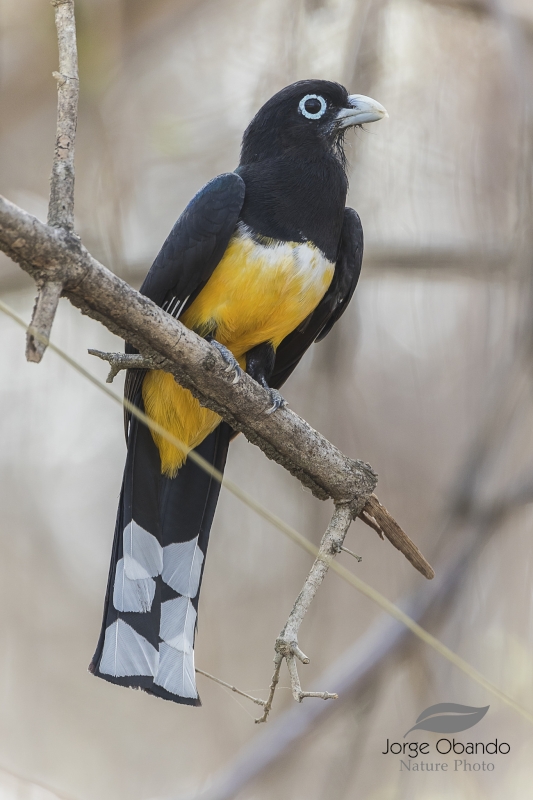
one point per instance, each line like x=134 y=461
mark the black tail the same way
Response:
x=160 y=543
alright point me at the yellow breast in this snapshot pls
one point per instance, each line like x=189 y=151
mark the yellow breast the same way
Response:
x=259 y=292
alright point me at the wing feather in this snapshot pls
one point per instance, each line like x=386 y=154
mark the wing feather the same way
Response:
x=189 y=255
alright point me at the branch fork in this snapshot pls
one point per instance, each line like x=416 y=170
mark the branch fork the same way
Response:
x=121 y=361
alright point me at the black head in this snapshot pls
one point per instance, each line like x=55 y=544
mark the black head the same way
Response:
x=308 y=116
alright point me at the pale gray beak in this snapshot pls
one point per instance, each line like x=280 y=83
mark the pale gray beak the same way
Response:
x=362 y=109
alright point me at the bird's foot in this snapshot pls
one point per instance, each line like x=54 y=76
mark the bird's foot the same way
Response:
x=277 y=401
x=229 y=358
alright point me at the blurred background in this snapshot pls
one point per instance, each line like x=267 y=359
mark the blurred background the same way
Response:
x=428 y=377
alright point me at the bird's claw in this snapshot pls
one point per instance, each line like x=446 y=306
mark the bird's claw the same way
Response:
x=277 y=401
x=230 y=360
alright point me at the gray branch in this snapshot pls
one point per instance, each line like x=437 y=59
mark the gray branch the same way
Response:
x=61 y=205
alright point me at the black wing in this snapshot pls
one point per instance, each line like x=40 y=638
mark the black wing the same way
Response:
x=189 y=255
x=196 y=243
x=331 y=307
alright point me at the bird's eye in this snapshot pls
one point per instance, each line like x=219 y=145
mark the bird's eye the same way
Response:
x=312 y=106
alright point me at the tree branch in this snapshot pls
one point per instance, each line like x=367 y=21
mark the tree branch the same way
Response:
x=287 y=642
x=56 y=254
x=61 y=205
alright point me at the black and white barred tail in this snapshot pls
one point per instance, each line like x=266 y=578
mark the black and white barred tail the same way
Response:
x=159 y=549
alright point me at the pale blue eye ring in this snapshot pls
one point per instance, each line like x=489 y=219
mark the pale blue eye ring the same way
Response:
x=312 y=115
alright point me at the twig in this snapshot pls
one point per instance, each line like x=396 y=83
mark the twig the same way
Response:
x=256 y=700
x=287 y=642
x=61 y=205
x=273 y=684
x=120 y=361
x=345 y=550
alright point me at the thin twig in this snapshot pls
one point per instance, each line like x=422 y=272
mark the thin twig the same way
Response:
x=120 y=361
x=256 y=700
x=61 y=205
x=278 y=658
x=351 y=553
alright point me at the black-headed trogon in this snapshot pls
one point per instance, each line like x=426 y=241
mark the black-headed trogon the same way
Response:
x=263 y=262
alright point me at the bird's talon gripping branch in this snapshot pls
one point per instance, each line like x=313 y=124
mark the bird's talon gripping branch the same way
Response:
x=229 y=358
x=277 y=401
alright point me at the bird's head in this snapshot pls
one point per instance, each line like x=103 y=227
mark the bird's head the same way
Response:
x=308 y=117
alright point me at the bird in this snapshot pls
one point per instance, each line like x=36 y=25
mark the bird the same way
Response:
x=262 y=262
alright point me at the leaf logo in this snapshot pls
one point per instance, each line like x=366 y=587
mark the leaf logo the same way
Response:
x=448 y=718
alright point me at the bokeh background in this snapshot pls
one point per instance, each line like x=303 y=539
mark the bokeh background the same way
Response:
x=428 y=377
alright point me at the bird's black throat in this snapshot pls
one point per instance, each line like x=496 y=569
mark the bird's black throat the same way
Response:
x=297 y=198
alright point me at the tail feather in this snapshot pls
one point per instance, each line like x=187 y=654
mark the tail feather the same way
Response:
x=160 y=544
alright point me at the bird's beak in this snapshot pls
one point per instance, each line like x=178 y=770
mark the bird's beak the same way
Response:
x=360 y=109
